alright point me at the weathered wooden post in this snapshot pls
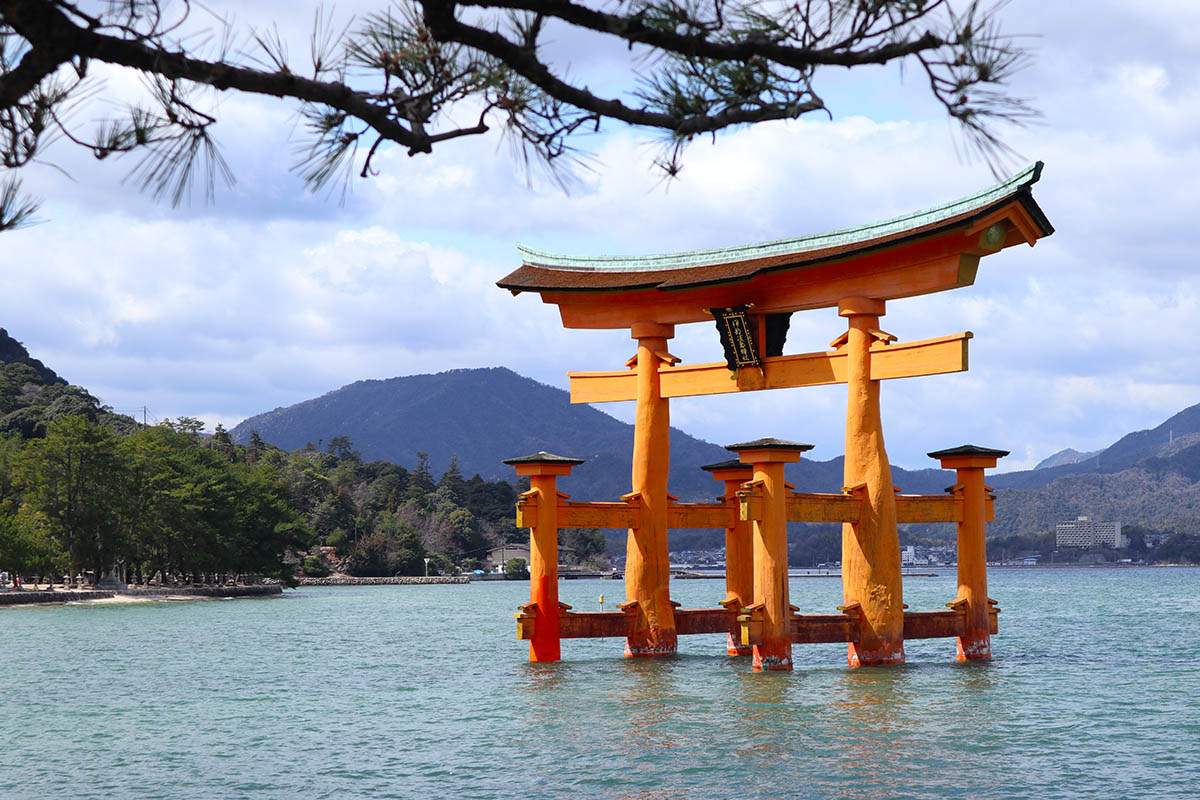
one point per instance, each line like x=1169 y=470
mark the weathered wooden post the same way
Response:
x=647 y=562
x=767 y=507
x=543 y=470
x=871 y=546
x=739 y=549
x=969 y=462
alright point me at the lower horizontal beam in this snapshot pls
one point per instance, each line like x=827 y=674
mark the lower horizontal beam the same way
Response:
x=824 y=628
x=685 y=516
x=933 y=624
x=928 y=508
x=813 y=507
x=706 y=620
x=805 y=628
x=594 y=624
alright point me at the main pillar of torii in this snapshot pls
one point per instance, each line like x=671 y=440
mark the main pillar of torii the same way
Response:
x=751 y=291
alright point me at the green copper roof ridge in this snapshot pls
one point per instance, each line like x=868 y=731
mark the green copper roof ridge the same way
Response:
x=792 y=246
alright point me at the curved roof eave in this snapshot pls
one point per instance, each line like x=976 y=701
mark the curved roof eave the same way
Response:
x=777 y=254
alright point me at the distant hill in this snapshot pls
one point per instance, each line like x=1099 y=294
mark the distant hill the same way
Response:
x=1149 y=477
x=32 y=396
x=13 y=352
x=484 y=416
x=1127 y=452
x=1068 y=456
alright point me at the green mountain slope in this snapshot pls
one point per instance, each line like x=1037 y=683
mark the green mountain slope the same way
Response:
x=484 y=416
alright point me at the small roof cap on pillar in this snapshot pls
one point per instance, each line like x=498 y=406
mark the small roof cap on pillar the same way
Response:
x=968 y=450
x=732 y=463
x=769 y=444
x=542 y=457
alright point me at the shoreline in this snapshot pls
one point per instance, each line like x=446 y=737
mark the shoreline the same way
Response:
x=29 y=597
x=396 y=581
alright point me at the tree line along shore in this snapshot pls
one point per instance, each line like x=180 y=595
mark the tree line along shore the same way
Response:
x=87 y=492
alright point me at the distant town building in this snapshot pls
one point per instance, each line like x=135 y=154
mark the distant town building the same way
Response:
x=498 y=555
x=1084 y=532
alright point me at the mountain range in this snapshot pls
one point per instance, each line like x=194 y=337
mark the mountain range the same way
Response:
x=483 y=416
x=1149 y=478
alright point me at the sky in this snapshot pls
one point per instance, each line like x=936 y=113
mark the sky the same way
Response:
x=273 y=295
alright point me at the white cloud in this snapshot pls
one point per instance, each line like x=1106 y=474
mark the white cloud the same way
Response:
x=274 y=296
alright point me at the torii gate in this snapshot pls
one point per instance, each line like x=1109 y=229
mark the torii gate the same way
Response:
x=751 y=291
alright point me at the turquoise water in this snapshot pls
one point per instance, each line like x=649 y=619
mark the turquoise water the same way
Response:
x=418 y=691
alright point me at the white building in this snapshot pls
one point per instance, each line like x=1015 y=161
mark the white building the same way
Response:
x=1084 y=532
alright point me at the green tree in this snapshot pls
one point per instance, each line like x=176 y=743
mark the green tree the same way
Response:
x=393 y=548
x=341 y=448
x=255 y=447
x=10 y=452
x=452 y=483
x=73 y=478
x=423 y=72
x=222 y=442
x=515 y=569
x=26 y=548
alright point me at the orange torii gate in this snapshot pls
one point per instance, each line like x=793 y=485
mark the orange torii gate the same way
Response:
x=751 y=292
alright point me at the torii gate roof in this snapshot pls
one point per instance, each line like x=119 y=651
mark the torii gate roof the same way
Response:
x=926 y=251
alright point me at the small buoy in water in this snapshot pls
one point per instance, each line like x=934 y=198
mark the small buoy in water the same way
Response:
x=601 y=602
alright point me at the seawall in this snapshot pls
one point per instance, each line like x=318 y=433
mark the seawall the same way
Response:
x=399 y=581
x=24 y=597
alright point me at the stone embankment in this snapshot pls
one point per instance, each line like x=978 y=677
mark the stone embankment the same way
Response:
x=261 y=590
x=37 y=596
x=26 y=597
x=398 y=581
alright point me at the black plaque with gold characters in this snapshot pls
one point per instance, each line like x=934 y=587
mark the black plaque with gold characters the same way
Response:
x=737 y=337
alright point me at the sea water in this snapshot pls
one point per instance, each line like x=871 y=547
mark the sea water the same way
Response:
x=424 y=691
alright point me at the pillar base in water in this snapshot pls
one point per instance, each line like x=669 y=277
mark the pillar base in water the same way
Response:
x=872 y=656
x=665 y=644
x=773 y=654
x=973 y=649
x=734 y=648
x=764 y=662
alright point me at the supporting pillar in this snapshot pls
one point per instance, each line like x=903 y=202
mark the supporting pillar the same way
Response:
x=543 y=470
x=871 y=546
x=647 y=563
x=768 y=457
x=969 y=462
x=739 y=547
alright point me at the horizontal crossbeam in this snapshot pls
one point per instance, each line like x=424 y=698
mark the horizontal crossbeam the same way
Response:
x=810 y=507
x=896 y=360
x=815 y=507
x=621 y=515
x=805 y=628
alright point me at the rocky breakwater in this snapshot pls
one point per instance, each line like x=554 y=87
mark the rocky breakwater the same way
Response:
x=397 y=581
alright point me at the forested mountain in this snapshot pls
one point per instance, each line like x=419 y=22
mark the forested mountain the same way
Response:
x=1160 y=491
x=357 y=479
x=32 y=396
x=13 y=352
x=484 y=416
